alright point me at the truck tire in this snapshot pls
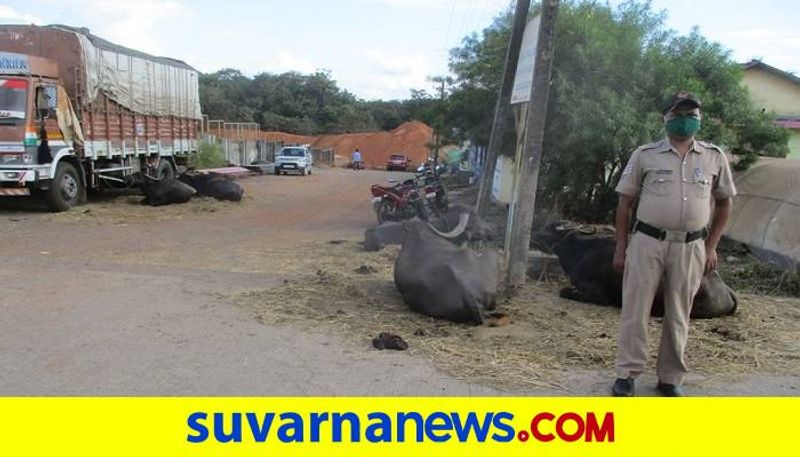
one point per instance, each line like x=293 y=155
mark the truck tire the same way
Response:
x=165 y=171
x=66 y=189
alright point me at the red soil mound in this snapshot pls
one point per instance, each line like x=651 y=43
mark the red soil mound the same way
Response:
x=410 y=139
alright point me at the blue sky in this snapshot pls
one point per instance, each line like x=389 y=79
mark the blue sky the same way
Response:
x=374 y=48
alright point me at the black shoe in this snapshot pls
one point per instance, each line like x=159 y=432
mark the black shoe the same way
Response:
x=623 y=387
x=670 y=390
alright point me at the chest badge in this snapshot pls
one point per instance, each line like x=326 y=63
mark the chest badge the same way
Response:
x=699 y=176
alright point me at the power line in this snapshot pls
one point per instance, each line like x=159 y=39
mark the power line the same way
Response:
x=449 y=21
x=465 y=24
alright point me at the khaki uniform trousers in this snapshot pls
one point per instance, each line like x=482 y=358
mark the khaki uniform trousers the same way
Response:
x=647 y=260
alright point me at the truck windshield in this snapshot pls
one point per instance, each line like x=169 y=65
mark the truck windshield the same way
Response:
x=13 y=96
x=293 y=152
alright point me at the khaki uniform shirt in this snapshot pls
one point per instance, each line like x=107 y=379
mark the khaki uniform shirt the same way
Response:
x=674 y=193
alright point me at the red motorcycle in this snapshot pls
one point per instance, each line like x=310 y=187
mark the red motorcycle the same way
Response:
x=399 y=202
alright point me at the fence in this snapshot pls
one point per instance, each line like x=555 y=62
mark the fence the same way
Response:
x=323 y=156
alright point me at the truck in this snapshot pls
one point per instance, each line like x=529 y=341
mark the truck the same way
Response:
x=79 y=113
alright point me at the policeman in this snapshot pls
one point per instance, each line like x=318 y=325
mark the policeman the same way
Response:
x=674 y=180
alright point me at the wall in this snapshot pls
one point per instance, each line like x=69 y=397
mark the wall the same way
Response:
x=778 y=95
x=773 y=92
x=794 y=145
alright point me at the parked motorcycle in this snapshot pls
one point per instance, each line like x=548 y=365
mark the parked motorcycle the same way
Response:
x=431 y=184
x=398 y=202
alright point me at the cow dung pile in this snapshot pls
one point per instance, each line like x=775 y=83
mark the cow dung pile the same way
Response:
x=548 y=336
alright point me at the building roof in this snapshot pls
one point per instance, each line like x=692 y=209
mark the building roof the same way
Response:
x=755 y=63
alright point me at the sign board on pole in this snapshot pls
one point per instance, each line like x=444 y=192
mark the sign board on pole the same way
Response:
x=503 y=180
x=523 y=80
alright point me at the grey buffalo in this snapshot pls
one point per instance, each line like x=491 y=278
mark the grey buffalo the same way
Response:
x=587 y=261
x=474 y=229
x=442 y=280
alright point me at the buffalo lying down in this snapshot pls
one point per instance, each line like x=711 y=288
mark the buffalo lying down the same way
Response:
x=439 y=279
x=587 y=260
x=214 y=185
x=476 y=229
x=159 y=192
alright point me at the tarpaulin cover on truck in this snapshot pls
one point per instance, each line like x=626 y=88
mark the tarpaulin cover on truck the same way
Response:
x=143 y=83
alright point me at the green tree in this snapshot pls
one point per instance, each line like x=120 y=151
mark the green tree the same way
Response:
x=291 y=102
x=613 y=68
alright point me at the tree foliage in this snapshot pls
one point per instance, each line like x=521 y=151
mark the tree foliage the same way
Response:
x=300 y=103
x=613 y=69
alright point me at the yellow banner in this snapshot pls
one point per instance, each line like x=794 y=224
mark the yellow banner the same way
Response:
x=402 y=427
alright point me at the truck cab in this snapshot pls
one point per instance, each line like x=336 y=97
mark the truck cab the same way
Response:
x=295 y=159
x=36 y=137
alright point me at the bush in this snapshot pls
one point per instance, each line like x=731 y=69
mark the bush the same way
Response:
x=209 y=155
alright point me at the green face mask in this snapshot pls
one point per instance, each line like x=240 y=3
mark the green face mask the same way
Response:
x=683 y=126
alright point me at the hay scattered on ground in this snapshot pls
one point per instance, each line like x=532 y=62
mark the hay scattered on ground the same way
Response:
x=746 y=273
x=127 y=209
x=548 y=334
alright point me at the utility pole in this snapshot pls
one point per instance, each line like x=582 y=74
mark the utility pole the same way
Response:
x=502 y=107
x=534 y=136
x=438 y=135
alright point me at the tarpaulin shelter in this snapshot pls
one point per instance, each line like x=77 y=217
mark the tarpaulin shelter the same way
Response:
x=766 y=211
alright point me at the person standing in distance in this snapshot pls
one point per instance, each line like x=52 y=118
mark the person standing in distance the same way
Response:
x=674 y=180
x=357 y=160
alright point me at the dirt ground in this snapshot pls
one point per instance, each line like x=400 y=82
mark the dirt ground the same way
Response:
x=212 y=298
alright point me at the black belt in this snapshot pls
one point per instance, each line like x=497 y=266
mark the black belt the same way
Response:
x=671 y=235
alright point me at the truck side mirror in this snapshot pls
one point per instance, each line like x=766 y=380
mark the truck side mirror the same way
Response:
x=46 y=100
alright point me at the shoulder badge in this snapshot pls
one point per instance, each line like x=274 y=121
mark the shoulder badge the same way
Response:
x=710 y=146
x=656 y=146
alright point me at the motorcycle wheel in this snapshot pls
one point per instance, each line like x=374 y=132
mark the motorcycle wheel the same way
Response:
x=441 y=202
x=419 y=209
x=386 y=211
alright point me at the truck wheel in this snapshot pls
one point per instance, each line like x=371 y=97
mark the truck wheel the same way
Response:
x=277 y=172
x=304 y=172
x=165 y=171
x=65 y=190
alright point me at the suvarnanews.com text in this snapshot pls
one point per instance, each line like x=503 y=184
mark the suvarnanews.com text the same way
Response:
x=401 y=427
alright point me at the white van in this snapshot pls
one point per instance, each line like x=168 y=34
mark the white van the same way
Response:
x=294 y=158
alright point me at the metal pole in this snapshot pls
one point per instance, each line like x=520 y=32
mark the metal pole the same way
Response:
x=534 y=136
x=502 y=107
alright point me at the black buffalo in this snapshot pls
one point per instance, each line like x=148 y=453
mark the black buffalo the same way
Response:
x=439 y=279
x=159 y=192
x=587 y=261
x=213 y=185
